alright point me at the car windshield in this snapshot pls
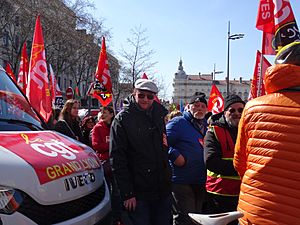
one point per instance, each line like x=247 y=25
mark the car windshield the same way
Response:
x=13 y=105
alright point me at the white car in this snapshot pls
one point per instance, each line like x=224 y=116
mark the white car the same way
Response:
x=45 y=177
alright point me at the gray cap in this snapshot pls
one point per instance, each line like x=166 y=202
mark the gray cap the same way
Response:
x=146 y=85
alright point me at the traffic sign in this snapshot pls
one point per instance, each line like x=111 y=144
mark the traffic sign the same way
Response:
x=69 y=93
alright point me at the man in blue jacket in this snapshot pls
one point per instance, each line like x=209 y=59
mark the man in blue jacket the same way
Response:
x=185 y=136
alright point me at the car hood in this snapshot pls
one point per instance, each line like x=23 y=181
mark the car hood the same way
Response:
x=48 y=166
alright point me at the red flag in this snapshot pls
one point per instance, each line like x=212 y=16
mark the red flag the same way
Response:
x=144 y=76
x=37 y=90
x=56 y=95
x=257 y=85
x=96 y=92
x=23 y=71
x=10 y=72
x=103 y=91
x=215 y=101
x=77 y=93
x=155 y=97
x=265 y=16
x=276 y=17
x=268 y=47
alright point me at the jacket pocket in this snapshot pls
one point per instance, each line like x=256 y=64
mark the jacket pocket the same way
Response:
x=146 y=178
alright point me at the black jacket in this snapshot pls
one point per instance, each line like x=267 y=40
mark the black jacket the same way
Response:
x=72 y=130
x=212 y=148
x=139 y=158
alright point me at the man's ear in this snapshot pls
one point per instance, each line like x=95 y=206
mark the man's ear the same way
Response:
x=188 y=107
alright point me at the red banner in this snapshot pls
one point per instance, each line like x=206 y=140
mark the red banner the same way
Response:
x=276 y=17
x=37 y=91
x=103 y=92
x=257 y=85
x=23 y=70
x=10 y=72
x=215 y=101
x=268 y=47
x=50 y=155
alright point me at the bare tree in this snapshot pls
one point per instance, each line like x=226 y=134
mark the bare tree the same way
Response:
x=70 y=33
x=136 y=59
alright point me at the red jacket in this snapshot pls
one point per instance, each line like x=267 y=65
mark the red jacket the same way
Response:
x=100 y=139
x=267 y=151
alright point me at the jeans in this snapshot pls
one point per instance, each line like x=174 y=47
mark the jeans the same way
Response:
x=187 y=198
x=222 y=204
x=153 y=212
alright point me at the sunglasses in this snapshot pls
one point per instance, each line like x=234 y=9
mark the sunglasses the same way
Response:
x=149 y=96
x=232 y=110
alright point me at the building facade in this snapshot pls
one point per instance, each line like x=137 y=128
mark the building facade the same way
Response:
x=184 y=86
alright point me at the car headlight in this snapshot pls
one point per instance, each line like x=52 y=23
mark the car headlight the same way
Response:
x=10 y=200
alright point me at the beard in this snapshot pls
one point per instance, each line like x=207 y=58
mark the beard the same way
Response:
x=198 y=115
x=233 y=122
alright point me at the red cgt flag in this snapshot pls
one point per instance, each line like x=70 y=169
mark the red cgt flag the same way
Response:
x=268 y=47
x=257 y=85
x=215 y=101
x=23 y=71
x=103 y=90
x=276 y=17
x=9 y=71
x=37 y=90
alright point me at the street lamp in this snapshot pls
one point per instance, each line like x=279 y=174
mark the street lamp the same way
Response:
x=215 y=72
x=230 y=37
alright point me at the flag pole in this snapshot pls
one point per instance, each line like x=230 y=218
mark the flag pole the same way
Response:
x=260 y=69
x=113 y=102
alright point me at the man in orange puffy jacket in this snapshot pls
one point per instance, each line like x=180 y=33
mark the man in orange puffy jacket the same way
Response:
x=267 y=152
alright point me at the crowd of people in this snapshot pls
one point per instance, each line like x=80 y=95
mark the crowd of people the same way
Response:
x=162 y=165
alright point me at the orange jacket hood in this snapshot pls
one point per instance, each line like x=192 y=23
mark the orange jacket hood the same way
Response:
x=281 y=76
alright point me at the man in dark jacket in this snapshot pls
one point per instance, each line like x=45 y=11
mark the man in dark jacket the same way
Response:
x=140 y=157
x=223 y=182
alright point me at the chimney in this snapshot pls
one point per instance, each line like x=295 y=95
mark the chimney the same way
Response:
x=241 y=80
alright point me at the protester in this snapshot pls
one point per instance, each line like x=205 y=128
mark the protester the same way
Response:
x=100 y=138
x=68 y=120
x=99 y=116
x=223 y=182
x=185 y=138
x=173 y=114
x=140 y=156
x=86 y=127
x=54 y=118
x=56 y=113
x=267 y=149
x=100 y=143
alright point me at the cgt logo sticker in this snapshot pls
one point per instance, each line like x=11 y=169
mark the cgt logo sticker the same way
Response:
x=51 y=155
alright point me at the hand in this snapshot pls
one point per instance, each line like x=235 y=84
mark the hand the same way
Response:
x=180 y=161
x=130 y=204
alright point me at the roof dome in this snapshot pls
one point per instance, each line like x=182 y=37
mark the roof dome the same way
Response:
x=180 y=74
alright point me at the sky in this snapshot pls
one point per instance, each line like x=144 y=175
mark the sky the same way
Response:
x=193 y=30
